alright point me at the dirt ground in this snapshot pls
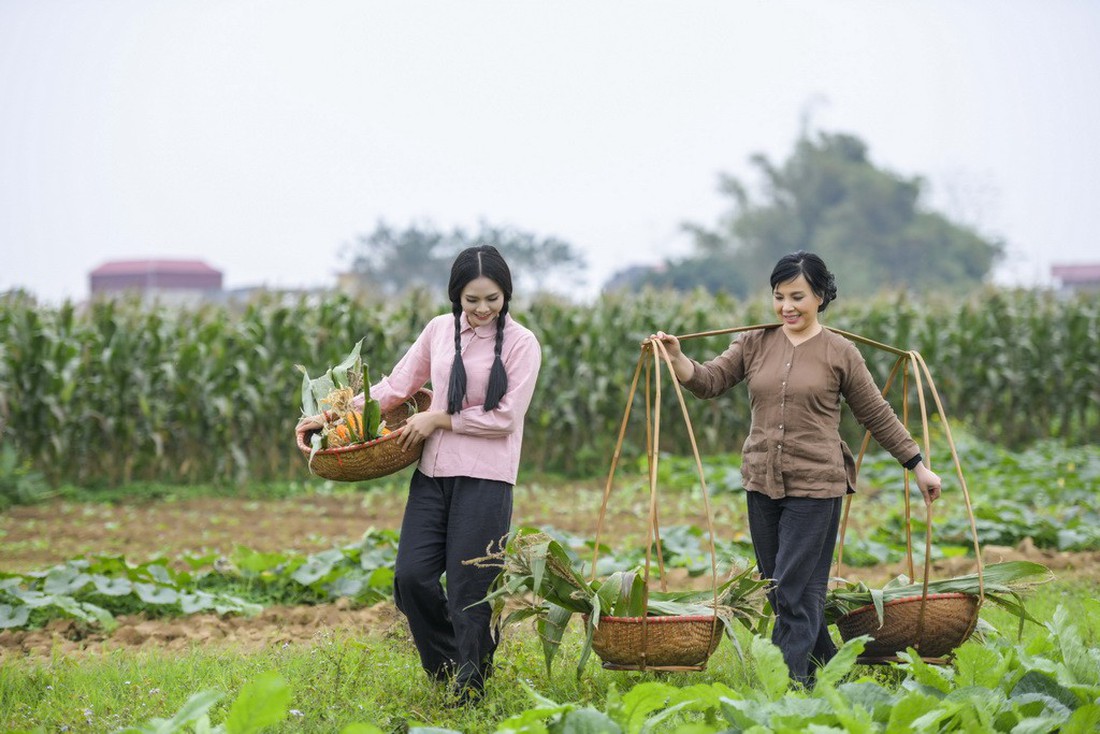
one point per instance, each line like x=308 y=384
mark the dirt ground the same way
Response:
x=36 y=537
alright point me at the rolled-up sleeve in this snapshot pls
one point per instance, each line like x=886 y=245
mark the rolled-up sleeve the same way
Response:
x=522 y=367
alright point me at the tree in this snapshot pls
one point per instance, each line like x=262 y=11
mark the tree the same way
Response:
x=391 y=261
x=869 y=225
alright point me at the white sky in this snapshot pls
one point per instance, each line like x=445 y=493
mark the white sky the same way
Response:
x=262 y=137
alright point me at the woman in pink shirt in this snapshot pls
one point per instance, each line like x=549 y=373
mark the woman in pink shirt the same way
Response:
x=460 y=496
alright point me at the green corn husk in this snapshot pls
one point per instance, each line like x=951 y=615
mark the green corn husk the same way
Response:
x=1002 y=584
x=342 y=381
x=534 y=564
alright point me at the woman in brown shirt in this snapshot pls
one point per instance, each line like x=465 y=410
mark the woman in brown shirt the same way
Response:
x=795 y=467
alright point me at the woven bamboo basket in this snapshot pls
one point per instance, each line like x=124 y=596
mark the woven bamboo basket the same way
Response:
x=638 y=643
x=949 y=619
x=373 y=459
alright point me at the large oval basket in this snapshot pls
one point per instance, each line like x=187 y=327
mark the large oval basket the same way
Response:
x=949 y=620
x=373 y=459
x=662 y=642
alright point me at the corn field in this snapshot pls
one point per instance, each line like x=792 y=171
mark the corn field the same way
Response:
x=115 y=391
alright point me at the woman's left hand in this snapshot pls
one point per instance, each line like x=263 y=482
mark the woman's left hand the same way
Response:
x=928 y=482
x=418 y=427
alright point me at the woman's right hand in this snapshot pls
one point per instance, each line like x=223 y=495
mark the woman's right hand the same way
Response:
x=671 y=343
x=307 y=424
x=683 y=367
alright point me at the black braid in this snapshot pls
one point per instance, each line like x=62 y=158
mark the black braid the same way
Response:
x=498 y=378
x=456 y=392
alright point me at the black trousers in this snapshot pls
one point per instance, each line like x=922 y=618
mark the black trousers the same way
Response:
x=794 y=539
x=449 y=520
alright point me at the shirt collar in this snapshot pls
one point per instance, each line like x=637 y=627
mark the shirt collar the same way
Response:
x=486 y=330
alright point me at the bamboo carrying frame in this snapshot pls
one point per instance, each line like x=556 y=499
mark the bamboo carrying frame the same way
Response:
x=934 y=625
x=664 y=643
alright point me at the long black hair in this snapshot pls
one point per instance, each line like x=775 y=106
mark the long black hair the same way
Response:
x=471 y=264
x=821 y=281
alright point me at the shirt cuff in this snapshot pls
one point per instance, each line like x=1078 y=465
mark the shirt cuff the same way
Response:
x=912 y=463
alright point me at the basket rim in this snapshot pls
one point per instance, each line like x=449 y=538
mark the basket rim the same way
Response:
x=662 y=619
x=910 y=600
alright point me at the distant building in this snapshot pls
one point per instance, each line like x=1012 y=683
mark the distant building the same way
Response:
x=174 y=282
x=1077 y=278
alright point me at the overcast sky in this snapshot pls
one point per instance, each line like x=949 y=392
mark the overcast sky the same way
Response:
x=262 y=137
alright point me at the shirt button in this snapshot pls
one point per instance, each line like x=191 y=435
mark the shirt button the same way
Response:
x=788 y=364
x=781 y=426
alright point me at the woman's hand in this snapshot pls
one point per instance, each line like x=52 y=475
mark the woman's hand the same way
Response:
x=681 y=365
x=672 y=344
x=418 y=427
x=307 y=424
x=928 y=482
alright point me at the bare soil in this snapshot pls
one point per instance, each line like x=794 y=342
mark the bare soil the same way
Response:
x=33 y=538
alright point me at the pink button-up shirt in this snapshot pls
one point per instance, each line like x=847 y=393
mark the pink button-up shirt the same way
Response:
x=480 y=444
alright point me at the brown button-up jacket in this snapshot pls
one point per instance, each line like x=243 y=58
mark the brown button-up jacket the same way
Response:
x=794 y=447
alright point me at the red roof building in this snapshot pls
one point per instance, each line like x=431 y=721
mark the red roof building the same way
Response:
x=176 y=280
x=1077 y=278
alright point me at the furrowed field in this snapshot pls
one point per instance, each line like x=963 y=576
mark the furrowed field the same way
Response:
x=165 y=554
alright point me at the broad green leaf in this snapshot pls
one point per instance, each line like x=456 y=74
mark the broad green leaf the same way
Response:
x=263 y=702
x=159 y=573
x=193 y=708
x=869 y=696
x=33 y=599
x=1085 y=720
x=585 y=721
x=931 y=676
x=13 y=617
x=65 y=580
x=609 y=592
x=153 y=594
x=200 y=601
x=112 y=586
x=196 y=562
x=745 y=714
x=255 y=562
x=634 y=604
x=639 y=702
x=842 y=663
x=980 y=665
x=551 y=627
x=100 y=615
x=312 y=571
x=1034 y=683
x=361 y=729
x=1082 y=662
x=915 y=712
x=770 y=669
x=349 y=585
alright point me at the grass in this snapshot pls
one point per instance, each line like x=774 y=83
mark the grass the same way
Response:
x=337 y=679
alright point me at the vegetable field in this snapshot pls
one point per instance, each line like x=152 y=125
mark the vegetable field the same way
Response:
x=167 y=564
x=274 y=605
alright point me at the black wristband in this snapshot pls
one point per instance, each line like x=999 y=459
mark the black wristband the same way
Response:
x=912 y=463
